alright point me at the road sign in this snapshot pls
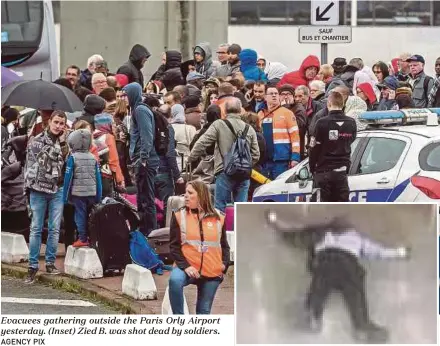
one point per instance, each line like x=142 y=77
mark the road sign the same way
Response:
x=326 y=34
x=324 y=12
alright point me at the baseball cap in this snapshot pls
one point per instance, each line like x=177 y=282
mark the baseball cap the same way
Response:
x=389 y=82
x=416 y=57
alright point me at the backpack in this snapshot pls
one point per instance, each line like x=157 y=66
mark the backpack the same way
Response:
x=142 y=253
x=238 y=161
x=161 y=132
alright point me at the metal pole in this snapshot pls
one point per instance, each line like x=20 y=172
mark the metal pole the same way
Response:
x=353 y=12
x=324 y=50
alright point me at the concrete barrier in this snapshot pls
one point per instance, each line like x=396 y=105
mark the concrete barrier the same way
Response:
x=83 y=263
x=230 y=235
x=14 y=248
x=139 y=283
x=166 y=305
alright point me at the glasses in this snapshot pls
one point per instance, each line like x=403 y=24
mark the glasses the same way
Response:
x=286 y=94
x=222 y=53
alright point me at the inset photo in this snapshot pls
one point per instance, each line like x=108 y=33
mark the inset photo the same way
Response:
x=322 y=273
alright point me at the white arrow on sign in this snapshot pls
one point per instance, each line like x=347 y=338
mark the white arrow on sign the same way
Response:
x=324 y=12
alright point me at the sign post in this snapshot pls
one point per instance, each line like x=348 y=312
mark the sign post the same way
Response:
x=323 y=13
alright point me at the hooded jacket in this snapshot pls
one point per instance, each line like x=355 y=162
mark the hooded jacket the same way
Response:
x=345 y=79
x=298 y=78
x=249 y=68
x=183 y=133
x=367 y=89
x=132 y=68
x=364 y=77
x=274 y=70
x=170 y=74
x=141 y=129
x=82 y=178
x=93 y=104
x=354 y=107
x=205 y=67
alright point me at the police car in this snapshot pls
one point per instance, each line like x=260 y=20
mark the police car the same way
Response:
x=396 y=159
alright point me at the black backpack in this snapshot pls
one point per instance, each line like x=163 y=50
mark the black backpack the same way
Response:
x=238 y=161
x=161 y=132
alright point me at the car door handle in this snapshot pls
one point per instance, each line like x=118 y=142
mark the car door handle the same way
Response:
x=384 y=180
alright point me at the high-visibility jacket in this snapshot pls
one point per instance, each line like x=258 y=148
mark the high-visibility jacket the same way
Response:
x=285 y=133
x=201 y=244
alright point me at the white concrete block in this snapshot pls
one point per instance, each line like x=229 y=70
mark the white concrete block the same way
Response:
x=83 y=263
x=166 y=305
x=139 y=283
x=14 y=248
x=230 y=236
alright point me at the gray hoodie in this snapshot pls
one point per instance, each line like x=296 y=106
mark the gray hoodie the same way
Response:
x=84 y=181
x=205 y=67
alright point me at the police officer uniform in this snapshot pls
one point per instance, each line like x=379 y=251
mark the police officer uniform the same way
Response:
x=330 y=151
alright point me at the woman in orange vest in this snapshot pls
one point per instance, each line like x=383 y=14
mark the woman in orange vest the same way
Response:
x=199 y=248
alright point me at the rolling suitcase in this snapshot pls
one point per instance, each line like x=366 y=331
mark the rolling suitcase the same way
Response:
x=110 y=224
x=159 y=239
x=229 y=217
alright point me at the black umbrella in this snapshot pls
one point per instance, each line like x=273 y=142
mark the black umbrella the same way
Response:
x=39 y=94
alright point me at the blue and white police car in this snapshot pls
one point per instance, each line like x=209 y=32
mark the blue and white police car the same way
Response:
x=396 y=159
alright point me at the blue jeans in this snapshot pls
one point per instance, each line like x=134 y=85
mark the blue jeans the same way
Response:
x=82 y=205
x=225 y=186
x=39 y=203
x=145 y=198
x=273 y=169
x=206 y=290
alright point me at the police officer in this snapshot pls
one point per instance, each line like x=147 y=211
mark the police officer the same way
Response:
x=334 y=251
x=330 y=150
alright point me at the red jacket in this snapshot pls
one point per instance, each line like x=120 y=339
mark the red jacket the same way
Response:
x=297 y=78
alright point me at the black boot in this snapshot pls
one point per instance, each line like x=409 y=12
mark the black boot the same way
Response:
x=371 y=333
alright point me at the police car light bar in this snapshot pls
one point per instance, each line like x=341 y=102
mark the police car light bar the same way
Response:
x=404 y=116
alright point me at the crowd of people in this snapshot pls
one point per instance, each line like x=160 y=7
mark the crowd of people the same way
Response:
x=119 y=140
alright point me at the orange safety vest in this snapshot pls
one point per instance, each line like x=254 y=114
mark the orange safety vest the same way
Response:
x=206 y=255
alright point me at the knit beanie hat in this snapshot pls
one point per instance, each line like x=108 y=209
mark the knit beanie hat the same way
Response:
x=287 y=87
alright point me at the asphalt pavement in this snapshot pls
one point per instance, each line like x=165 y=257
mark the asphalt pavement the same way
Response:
x=272 y=278
x=18 y=298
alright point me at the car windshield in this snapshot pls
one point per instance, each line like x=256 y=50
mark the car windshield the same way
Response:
x=21 y=23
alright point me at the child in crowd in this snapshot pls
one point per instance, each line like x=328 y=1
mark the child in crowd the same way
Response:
x=82 y=183
x=84 y=125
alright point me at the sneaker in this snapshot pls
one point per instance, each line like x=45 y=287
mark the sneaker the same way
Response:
x=51 y=269
x=79 y=243
x=30 y=278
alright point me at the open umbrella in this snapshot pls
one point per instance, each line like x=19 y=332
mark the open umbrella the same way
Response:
x=39 y=94
x=9 y=76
